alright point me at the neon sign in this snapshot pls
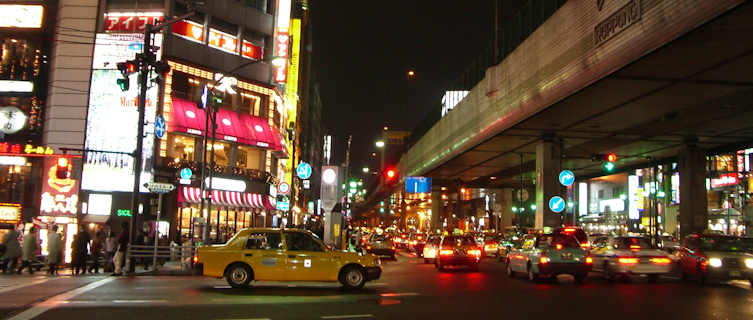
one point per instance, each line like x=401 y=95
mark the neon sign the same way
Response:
x=19 y=149
x=10 y=212
x=130 y=21
x=59 y=196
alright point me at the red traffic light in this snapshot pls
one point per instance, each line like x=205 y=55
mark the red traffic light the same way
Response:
x=391 y=173
x=611 y=157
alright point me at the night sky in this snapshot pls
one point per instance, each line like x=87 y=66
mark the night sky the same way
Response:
x=364 y=49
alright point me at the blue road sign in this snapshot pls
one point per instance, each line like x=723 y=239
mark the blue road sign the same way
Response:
x=186 y=173
x=283 y=205
x=159 y=126
x=304 y=171
x=567 y=178
x=557 y=204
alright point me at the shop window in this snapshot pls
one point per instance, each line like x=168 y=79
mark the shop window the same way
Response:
x=250 y=103
x=249 y=158
x=181 y=147
x=222 y=152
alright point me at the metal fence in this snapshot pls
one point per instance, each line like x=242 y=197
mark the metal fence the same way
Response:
x=173 y=257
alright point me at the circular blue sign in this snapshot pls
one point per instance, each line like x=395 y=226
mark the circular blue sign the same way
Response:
x=186 y=173
x=159 y=126
x=135 y=46
x=304 y=171
x=557 y=204
x=567 y=178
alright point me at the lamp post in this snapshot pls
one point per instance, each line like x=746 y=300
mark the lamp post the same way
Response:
x=380 y=145
x=209 y=102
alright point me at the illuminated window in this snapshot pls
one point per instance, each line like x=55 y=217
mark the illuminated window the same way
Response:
x=181 y=147
x=249 y=158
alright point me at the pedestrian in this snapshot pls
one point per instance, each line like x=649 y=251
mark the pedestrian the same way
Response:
x=111 y=245
x=120 y=254
x=96 y=252
x=12 y=251
x=29 y=250
x=80 y=248
x=54 y=250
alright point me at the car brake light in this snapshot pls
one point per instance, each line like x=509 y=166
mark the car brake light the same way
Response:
x=589 y=260
x=414 y=242
x=543 y=260
x=569 y=230
x=627 y=260
x=661 y=260
x=558 y=246
x=635 y=247
x=474 y=252
x=585 y=245
x=445 y=252
x=368 y=247
x=393 y=247
x=195 y=259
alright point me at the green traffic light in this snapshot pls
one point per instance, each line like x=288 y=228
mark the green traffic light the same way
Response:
x=609 y=166
x=124 y=84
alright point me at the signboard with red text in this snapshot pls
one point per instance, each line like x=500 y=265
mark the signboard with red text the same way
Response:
x=222 y=41
x=281 y=51
x=59 y=196
x=251 y=51
x=189 y=30
x=122 y=22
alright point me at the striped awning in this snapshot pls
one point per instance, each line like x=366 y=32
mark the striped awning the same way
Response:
x=226 y=198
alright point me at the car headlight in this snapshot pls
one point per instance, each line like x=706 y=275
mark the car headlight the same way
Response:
x=749 y=263
x=715 y=262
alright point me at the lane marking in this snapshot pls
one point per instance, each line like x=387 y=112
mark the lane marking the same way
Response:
x=57 y=300
x=23 y=285
x=399 y=294
x=349 y=316
x=139 y=301
x=243 y=319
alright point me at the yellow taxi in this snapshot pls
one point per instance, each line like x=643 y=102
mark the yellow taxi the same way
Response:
x=267 y=254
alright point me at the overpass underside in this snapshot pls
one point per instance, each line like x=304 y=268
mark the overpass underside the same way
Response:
x=674 y=84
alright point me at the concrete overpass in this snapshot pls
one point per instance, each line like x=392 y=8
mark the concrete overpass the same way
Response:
x=644 y=79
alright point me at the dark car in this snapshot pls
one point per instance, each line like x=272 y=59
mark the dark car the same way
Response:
x=715 y=257
x=458 y=251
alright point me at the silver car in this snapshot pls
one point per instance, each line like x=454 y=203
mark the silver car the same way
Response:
x=629 y=255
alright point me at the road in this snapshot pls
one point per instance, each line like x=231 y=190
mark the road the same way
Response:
x=408 y=289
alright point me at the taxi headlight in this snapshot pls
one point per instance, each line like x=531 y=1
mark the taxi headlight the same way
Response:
x=749 y=263
x=715 y=262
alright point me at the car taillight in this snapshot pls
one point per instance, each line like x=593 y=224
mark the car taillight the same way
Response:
x=558 y=246
x=661 y=260
x=445 y=252
x=589 y=260
x=544 y=260
x=635 y=247
x=585 y=245
x=414 y=242
x=368 y=247
x=195 y=259
x=627 y=260
x=474 y=252
x=393 y=247
x=568 y=230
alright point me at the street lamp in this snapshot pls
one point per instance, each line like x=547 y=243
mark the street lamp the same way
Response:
x=365 y=170
x=379 y=144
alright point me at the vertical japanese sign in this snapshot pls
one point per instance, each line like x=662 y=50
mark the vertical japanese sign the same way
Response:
x=282 y=38
x=59 y=196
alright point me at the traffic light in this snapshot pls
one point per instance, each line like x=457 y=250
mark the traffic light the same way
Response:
x=63 y=169
x=161 y=68
x=126 y=69
x=609 y=160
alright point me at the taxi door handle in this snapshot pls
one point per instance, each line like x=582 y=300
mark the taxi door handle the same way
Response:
x=249 y=254
x=291 y=256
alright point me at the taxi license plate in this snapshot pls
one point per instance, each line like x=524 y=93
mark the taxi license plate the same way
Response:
x=734 y=273
x=566 y=256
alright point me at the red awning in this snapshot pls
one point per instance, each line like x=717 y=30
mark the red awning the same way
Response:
x=246 y=129
x=226 y=198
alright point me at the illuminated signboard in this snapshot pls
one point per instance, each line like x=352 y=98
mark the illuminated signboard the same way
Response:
x=189 y=30
x=112 y=123
x=113 y=48
x=12 y=120
x=281 y=51
x=291 y=90
x=10 y=212
x=222 y=41
x=727 y=179
x=251 y=51
x=59 y=196
x=21 y=149
x=130 y=21
x=16 y=86
x=21 y=16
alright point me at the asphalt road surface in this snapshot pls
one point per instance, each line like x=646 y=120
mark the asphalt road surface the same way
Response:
x=408 y=289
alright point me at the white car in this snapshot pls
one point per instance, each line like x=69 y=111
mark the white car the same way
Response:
x=431 y=248
x=629 y=255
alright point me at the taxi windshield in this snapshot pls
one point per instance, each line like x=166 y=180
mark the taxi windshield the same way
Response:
x=631 y=243
x=729 y=244
x=459 y=241
x=380 y=237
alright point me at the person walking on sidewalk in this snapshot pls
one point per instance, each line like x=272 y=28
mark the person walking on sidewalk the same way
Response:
x=29 y=250
x=55 y=250
x=80 y=251
x=111 y=245
x=122 y=248
x=96 y=248
x=12 y=251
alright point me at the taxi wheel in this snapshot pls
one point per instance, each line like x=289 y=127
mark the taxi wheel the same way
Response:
x=238 y=275
x=353 y=278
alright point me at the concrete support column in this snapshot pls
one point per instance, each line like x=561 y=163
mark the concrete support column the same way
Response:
x=504 y=198
x=436 y=211
x=548 y=156
x=693 y=203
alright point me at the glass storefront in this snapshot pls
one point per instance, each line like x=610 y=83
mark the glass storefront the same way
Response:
x=231 y=220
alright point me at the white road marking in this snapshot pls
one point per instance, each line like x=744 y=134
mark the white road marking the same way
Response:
x=57 y=300
x=399 y=294
x=139 y=301
x=244 y=319
x=349 y=316
x=23 y=285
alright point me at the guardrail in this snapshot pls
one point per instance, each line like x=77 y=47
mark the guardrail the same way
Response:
x=179 y=256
